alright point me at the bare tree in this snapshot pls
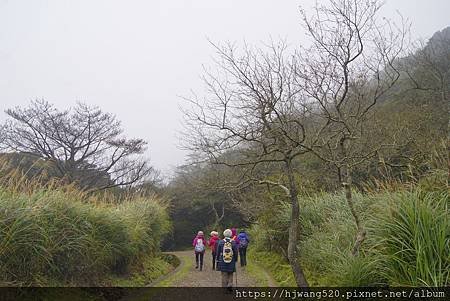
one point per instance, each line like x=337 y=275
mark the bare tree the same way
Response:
x=252 y=119
x=85 y=145
x=350 y=66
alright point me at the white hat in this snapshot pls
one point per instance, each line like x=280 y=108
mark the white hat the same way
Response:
x=227 y=233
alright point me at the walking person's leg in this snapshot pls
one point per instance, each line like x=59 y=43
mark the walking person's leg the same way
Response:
x=224 y=279
x=213 y=261
x=244 y=255
x=230 y=281
x=241 y=255
x=201 y=260
x=196 y=259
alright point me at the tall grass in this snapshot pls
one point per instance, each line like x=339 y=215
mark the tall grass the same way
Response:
x=408 y=237
x=413 y=238
x=52 y=235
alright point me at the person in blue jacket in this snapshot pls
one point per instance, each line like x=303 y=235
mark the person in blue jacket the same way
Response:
x=227 y=263
x=243 y=240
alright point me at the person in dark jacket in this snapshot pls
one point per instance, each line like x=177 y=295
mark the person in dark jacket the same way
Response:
x=227 y=269
x=243 y=240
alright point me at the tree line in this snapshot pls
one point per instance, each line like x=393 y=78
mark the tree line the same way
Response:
x=81 y=145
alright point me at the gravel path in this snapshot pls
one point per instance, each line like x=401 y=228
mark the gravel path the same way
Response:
x=188 y=276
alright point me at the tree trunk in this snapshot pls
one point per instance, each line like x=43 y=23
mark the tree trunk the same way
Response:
x=300 y=278
x=217 y=218
x=360 y=231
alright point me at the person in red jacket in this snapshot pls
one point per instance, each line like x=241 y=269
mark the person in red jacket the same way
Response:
x=212 y=243
x=199 y=245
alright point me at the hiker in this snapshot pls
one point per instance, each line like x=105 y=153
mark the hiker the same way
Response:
x=243 y=240
x=234 y=238
x=199 y=244
x=234 y=235
x=212 y=243
x=227 y=254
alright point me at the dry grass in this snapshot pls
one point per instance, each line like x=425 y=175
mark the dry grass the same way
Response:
x=53 y=234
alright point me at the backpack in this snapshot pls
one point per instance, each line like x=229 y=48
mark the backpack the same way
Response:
x=199 y=246
x=243 y=242
x=227 y=253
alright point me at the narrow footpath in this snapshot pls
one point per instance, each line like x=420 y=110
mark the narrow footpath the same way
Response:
x=186 y=275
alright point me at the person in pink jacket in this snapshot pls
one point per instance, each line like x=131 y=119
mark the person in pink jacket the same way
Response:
x=199 y=245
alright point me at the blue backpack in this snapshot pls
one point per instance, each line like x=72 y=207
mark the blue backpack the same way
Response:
x=243 y=242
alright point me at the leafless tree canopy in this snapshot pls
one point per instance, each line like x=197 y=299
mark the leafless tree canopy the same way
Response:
x=85 y=144
x=252 y=102
x=254 y=106
x=272 y=105
x=350 y=66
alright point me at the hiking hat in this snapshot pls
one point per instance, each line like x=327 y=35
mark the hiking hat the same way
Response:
x=200 y=233
x=227 y=233
x=214 y=233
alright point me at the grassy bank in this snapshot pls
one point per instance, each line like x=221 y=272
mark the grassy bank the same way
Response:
x=145 y=272
x=185 y=264
x=58 y=236
x=273 y=264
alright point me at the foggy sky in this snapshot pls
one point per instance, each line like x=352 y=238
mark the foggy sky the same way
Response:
x=135 y=58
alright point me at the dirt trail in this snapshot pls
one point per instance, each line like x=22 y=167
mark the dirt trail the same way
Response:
x=187 y=276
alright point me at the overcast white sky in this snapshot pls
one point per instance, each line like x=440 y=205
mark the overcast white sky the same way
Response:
x=134 y=58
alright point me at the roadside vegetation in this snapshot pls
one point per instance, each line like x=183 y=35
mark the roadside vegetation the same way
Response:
x=56 y=235
x=408 y=242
